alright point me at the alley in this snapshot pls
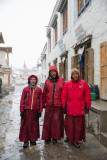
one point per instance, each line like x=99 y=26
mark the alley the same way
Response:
x=12 y=149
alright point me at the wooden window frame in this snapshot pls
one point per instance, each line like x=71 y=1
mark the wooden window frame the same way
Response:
x=65 y=20
x=50 y=43
x=49 y=37
x=85 y=3
x=56 y=35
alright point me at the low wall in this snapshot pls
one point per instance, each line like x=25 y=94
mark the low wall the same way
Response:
x=96 y=120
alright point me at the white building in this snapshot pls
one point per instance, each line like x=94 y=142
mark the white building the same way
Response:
x=44 y=63
x=39 y=71
x=77 y=37
x=5 y=70
x=78 y=29
x=1 y=41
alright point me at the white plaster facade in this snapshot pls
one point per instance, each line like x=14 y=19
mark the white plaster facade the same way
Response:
x=6 y=71
x=94 y=22
x=5 y=79
x=44 y=63
x=3 y=58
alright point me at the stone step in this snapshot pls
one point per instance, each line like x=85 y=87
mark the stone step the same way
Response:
x=103 y=138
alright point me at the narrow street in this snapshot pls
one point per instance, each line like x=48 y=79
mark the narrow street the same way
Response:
x=12 y=149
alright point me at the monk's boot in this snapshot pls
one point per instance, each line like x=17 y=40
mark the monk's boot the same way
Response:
x=26 y=144
x=47 y=141
x=33 y=143
x=77 y=145
x=54 y=141
x=66 y=140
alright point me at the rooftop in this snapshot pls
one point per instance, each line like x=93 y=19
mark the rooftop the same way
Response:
x=6 y=49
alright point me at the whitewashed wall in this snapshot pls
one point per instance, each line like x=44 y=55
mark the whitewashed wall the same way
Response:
x=93 y=21
x=3 y=61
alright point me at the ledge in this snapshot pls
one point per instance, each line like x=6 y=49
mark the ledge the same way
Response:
x=99 y=106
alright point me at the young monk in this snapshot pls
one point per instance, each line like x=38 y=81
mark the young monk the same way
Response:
x=30 y=111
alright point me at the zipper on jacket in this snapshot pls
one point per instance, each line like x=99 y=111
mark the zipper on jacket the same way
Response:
x=53 y=94
x=32 y=98
x=26 y=97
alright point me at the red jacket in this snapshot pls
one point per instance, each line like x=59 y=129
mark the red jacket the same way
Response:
x=31 y=99
x=52 y=91
x=76 y=94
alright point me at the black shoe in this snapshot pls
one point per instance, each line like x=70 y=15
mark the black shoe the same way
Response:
x=66 y=139
x=32 y=143
x=77 y=145
x=54 y=141
x=25 y=145
x=47 y=141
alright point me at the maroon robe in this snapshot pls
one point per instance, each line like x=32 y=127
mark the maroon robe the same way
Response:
x=75 y=128
x=29 y=129
x=53 y=127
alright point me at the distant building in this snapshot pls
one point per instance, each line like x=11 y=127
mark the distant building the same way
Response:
x=23 y=73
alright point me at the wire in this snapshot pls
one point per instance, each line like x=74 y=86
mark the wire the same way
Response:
x=99 y=35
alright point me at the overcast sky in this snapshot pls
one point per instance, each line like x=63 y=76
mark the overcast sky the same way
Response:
x=22 y=23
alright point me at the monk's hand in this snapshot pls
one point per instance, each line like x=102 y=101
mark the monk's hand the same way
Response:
x=39 y=114
x=22 y=114
x=64 y=110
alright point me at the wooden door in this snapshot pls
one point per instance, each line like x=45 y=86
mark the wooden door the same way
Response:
x=74 y=62
x=66 y=69
x=61 y=69
x=90 y=66
x=103 y=70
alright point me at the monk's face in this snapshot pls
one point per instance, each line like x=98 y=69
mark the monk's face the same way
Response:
x=53 y=73
x=75 y=76
x=33 y=81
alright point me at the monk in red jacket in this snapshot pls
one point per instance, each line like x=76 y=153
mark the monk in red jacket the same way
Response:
x=30 y=111
x=53 y=128
x=75 y=96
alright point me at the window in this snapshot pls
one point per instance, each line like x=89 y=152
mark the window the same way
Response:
x=56 y=35
x=49 y=64
x=50 y=43
x=63 y=9
x=54 y=25
x=49 y=36
x=82 y=4
x=55 y=62
x=65 y=20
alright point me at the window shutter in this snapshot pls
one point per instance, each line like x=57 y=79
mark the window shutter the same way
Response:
x=60 y=69
x=65 y=19
x=90 y=66
x=66 y=69
x=55 y=34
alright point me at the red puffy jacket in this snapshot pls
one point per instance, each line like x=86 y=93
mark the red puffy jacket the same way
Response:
x=76 y=94
x=31 y=98
x=52 y=91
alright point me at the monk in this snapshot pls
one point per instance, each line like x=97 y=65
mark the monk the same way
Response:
x=53 y=127
x=30 y=111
